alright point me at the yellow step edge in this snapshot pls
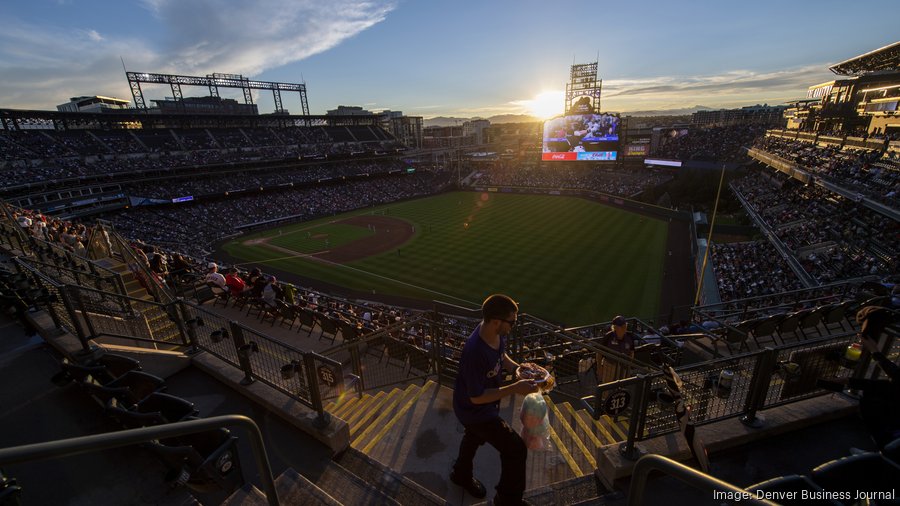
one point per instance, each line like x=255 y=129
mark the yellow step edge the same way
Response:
x=376 y=410
x=339 y=405
x=397 y=416
x=616 y=428
x=386 y=411
x=581 y=423
x=365 y=410
x=571 y=431
x=605 y=433
x=363 y=405
x=565 y=453
x=343 y=412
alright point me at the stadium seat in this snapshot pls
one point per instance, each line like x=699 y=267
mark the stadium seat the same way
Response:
x=791 y=483
x=128 y=389
x=307 y=319
x=156 y=409
x=736 y=335
x=288 y=313
x=789 y=324
x=891 y=451
x=766 y=327
x=203 y=294
x=206 y=463
x=329 y=328
x=219 y=293
x=349 y=332
x=396 y=350
x=811 y=320
x=865 y=472
x=419 y=361
x=835 y=314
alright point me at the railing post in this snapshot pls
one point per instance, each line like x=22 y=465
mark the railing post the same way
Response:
x=191 y=327
x=243 y=352
x=315 y=396
x=357 y=367
x=173 y=310
x=66 y=295
x=629 y=449
x=759 y=385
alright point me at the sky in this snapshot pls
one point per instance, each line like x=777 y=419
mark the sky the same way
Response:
x=439 y=58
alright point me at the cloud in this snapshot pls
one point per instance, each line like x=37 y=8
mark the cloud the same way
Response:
x=42 y=65
x=242 y=37
x=94 y=36
x=716 y=90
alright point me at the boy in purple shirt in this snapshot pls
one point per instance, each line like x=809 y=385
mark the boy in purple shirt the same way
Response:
x=476 y=402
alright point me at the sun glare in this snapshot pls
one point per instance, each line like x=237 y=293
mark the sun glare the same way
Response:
x=546 y=104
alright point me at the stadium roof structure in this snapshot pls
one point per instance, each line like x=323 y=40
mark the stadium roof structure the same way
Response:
x=886 y=58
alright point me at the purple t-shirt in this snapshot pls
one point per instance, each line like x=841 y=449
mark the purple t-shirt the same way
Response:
x=479 y=370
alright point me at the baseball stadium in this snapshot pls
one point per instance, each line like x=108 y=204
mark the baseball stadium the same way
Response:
x=241 y=308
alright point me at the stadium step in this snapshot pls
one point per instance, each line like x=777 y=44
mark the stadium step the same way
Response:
x=366 y=440
x=388 y=481
x=605 y=429
x=394 y=409
x=348 y=488
x=292 y=488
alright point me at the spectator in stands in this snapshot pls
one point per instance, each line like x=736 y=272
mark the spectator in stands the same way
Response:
x=619 y=339
x=476 y=402
x=271 y=292
x=214 y=277
x=257 y=282
x=235 y=283
x=180 y=266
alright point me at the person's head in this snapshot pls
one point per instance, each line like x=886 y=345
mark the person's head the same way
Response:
x=212 y=267
x=620 y=326
x=499 y=313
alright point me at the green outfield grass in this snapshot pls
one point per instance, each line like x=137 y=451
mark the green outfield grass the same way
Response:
x=564 y=259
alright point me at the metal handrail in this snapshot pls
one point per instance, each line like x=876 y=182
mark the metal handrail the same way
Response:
x=86 y=444
x=648 y=463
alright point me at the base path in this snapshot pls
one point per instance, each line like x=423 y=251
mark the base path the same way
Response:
x=390 y=233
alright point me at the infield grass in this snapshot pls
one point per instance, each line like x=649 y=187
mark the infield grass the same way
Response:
x=564 y=259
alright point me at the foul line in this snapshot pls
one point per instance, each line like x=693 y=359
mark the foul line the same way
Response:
x=312 y=256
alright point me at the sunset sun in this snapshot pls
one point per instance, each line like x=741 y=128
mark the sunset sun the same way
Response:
x=546 y=104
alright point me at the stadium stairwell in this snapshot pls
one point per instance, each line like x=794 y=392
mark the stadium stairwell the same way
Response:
x=159 y=324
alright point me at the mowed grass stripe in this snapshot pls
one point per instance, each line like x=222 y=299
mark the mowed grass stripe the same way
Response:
x=565 y=259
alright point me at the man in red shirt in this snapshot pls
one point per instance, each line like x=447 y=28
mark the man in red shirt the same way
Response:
x=235 y=284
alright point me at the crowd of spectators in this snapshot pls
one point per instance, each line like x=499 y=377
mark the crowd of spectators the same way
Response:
x=192 y=227
x=749 y=269
x=72 y=237
x=46 y=155
x=833 y=237
x=720 y=144
x=866 y=172
x=626 y=183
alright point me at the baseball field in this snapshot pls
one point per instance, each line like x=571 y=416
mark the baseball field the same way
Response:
x=564 y=259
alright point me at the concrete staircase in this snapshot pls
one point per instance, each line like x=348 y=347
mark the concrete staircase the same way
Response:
x=351 y=479
x=156 y=322
x=371 y=416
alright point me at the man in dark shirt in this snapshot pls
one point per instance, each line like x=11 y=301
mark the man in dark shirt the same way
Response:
x=476 y=402
x=621 y=340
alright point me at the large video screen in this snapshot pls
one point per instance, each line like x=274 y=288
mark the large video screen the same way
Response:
x=593 y=137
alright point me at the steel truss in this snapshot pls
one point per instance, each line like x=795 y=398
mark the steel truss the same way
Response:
x=213 y=82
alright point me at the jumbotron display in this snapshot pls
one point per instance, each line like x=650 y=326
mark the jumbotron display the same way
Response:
x=581 y=137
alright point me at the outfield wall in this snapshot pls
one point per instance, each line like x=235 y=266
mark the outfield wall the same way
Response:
x=604 y=198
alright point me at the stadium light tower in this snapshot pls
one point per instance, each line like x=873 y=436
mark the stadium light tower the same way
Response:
x=583 y=89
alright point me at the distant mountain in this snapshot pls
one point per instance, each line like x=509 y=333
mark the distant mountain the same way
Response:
x=669 y=112
x=445 y=121
x=513 y=118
